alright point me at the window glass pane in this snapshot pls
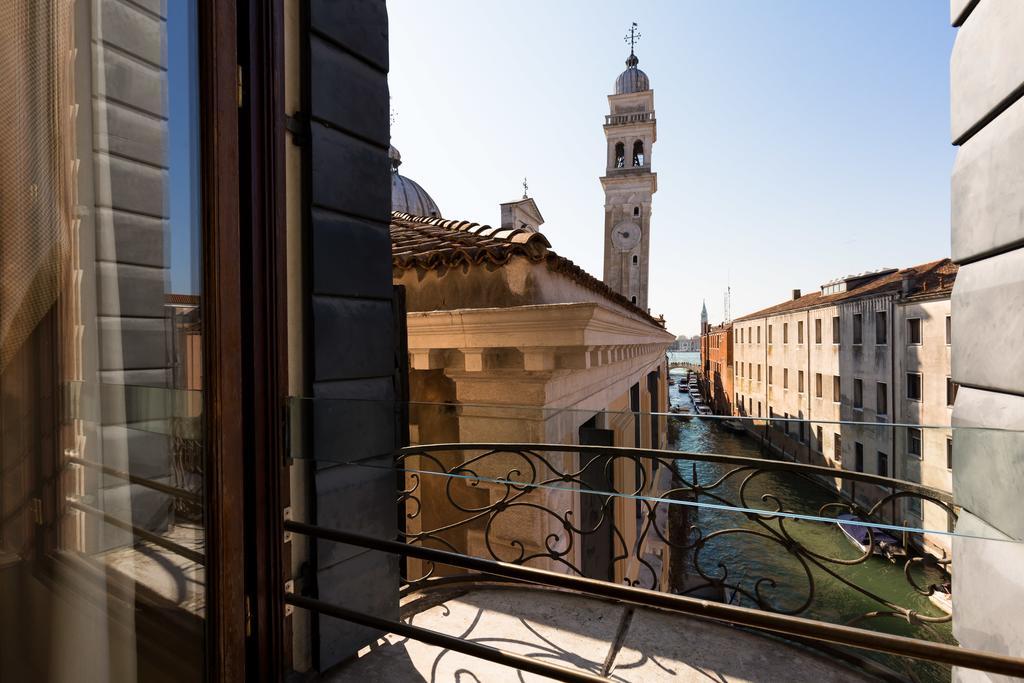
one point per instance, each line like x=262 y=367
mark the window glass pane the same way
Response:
x=102 y=453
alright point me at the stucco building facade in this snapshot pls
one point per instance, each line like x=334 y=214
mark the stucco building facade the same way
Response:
x=716 y=362
x=869 y=351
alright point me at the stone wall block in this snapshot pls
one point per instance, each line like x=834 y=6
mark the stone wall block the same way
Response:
x=128 y=133
x=987 y=64
x=368 y=249
x=366 y=583
x=130 y=186
x=360 y=25
x=130 y=291
x=989 y=459
x=987 y=581
x=346 y=323
x=128 y=81
x=362 y=83
x=349 y=498
x=130 y=238
x=350 y=176
x=133 y=343
x=130 y=29
x=987 y=325
x=988 y=175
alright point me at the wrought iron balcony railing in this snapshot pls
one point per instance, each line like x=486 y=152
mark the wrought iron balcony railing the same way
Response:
x=813 y=552
x=527 y=484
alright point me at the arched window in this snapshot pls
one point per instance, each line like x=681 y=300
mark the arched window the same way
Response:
x=638 y=153
x=620 y=155
x=636 y=259
x=636 y=210
x=633 y=299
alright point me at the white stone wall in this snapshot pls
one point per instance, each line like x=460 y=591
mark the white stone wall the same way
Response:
x=987 y=218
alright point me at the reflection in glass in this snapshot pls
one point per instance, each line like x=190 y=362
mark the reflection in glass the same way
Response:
x=101 y=438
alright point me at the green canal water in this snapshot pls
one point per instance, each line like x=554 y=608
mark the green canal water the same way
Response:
x=749 y=558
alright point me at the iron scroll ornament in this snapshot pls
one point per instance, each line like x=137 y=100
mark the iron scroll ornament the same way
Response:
x=507 y=477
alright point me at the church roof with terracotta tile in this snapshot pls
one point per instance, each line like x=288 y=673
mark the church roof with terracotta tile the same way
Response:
x=430 y=243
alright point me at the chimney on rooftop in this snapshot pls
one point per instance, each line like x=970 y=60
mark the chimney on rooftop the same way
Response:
x=907 y=282
x=796 y=294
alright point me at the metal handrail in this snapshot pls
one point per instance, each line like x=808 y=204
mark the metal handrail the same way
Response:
x=174 y=491
x=145 y=534
x=786 y=625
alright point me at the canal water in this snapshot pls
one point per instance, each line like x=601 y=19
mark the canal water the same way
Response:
x=749 y=558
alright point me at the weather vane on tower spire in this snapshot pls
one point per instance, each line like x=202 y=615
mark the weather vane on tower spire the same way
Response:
x=633 y=37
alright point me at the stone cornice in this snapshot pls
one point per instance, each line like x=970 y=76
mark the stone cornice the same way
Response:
x=537 y=338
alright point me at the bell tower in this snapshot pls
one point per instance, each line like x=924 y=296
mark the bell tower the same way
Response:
x=629 y=184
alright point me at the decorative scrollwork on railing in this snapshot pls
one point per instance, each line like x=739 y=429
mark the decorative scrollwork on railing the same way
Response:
x=555 y=506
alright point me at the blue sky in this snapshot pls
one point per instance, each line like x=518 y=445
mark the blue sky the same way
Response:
x=798 y=140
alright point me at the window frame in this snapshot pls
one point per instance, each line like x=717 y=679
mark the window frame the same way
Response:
x=920 y=386
x=884 y=328
x=920 y=332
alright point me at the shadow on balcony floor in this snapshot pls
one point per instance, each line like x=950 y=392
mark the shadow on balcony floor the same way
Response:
x=622 y=642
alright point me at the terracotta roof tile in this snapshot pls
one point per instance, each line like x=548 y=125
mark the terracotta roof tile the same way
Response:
x=436 y=243
x=932 y=279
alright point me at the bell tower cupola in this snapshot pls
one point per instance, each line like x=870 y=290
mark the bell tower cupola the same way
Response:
x=629 y=184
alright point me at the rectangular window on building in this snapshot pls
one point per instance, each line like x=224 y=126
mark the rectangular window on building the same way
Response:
x=741 y=335
x=835 y=329
x=949 y=330
x=837 y=447
x=758 y=372
x=819 y=445
x=914 y=331
x=817 y=384
x=802 y=427
x=758 y=334
x=770 y=375
x=785 y=378
x=785 y=333
x=836 y=394
x=759 y=409
x=858 y=456
x=785 y=424
x=858 y=329
x=817 y=330
x=951 y=388
x=883 y=464
x=750 y=406
x=750 y=370
x=858 y=393
x=949 y=453
x=800 y=381
x=800 y=332
x=881 y=328
x=914 y=386
x=914 y=441
x=740 y=366
x=882 y=398
x=769 y=334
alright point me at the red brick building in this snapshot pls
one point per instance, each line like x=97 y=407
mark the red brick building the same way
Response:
x=716 y=365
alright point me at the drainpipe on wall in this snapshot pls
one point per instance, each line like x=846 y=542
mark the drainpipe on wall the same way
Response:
x=810 y=374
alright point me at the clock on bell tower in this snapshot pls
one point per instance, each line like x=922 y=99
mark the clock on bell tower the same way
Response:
x=629 y=184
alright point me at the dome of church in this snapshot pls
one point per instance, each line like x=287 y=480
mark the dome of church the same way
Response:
x=406 y=194
x=632 y=79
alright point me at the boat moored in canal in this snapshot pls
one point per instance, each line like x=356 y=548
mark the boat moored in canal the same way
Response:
x=734 y=426
x=864 y=536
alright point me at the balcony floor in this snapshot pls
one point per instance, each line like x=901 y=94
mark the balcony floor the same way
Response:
x=623 y=642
